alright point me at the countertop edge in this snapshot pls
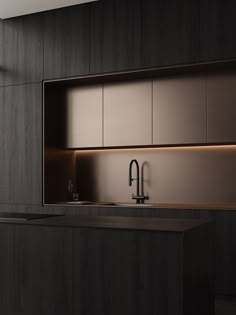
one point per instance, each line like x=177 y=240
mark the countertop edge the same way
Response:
x=114 y=222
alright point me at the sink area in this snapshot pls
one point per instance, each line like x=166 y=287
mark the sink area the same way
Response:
x=23 y=216
x=140 y=205
x=81 y=202
x=118 y=204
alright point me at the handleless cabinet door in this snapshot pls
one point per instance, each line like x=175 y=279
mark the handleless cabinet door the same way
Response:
x=20 y=144
x=84 y=115
x=36 y=270
x=221 y=107
x=115 y=30
x=21 y=50
x=66 y=42
x=179 y=110
x=127 y=113
x=217 y=29
x=127 y=272
x=170 y=32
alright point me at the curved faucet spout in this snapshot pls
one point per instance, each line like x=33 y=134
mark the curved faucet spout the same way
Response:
x=130 y=171
x=139 y=198
x=131 y=179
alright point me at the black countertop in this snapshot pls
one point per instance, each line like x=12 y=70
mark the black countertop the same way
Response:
x=110 y=222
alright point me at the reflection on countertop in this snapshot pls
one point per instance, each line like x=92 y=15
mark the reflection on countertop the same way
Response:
x=193 y=206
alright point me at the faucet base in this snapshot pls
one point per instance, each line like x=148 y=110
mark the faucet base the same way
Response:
x=140 y=199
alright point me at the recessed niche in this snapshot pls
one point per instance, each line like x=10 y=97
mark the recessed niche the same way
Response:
x=79 y=157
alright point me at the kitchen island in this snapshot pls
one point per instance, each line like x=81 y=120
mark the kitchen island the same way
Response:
x=69 y=265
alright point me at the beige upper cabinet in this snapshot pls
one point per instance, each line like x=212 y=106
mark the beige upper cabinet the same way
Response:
x=221 y=107
x=84 y=117
x=128 y=113
x=179 y=110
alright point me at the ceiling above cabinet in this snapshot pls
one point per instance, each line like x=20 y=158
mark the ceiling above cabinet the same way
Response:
x=13 y=8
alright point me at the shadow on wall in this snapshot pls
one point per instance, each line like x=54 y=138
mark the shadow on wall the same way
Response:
x=59 y=169
x=86 y=177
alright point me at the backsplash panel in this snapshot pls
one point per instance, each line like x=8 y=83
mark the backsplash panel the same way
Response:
x=171 y=175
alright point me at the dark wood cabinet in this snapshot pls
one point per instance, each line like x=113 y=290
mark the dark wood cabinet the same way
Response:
x=21 y=50
x=36 y=269
x=139 y=272
x=170 y=32
x=225 y=253
x=66 y=42
x=218 y=29
x=21 y=144
x=115 y=38
x=113 y=35
x=116 y=211
x=225 y=242
x=50 y=269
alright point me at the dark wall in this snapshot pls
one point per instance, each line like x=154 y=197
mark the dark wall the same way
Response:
x=104 y=36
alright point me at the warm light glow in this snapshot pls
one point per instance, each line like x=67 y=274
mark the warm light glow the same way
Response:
x=170 y=148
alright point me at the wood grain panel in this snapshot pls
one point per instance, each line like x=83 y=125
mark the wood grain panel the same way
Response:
x=21 y=144
x=170 y=32
x=226 y=253
x=115 y=42
x=36 y=271
x=66 y=42
x=217 y=29
x=21 y=50
x=115 y=211
x=135 y=272
x=225 y=244
x=118 y=275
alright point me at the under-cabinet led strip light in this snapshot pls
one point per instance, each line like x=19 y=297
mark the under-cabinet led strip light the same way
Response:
x=197 y=147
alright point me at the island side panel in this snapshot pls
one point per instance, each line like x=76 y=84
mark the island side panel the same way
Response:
x=199 y=270
x=128 y=272
x=36 y=270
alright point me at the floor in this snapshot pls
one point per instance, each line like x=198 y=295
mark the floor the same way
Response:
x=223 y=307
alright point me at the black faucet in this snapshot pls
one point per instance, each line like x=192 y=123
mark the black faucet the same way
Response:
x=139 y=198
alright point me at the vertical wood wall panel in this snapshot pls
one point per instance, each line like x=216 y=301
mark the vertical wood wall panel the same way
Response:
x=170 y=32
x=217 y=29
x=21 y=50
x=115 y=42
x=21 y=144
x=66 y=42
